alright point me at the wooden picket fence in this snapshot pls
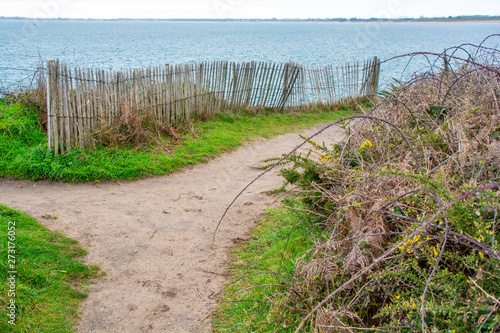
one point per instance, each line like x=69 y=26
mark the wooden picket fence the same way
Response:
x=82 y=100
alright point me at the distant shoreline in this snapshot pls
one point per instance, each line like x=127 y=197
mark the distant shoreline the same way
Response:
x=458 y=19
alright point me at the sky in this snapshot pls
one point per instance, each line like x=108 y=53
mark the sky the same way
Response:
x=246 y=8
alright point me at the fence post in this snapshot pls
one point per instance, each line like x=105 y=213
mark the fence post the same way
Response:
x=375 y=77
x=49 y=109
x=52 y=98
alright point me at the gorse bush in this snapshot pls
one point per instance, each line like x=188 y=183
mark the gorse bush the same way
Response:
x=409 y=211
x=411 y=203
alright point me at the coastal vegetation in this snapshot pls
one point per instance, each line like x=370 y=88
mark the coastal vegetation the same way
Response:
x=395 y=229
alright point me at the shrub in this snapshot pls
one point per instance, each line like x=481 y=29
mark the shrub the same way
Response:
x=409 y=207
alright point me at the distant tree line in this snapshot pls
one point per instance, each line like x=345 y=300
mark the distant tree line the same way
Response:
x=354 y=19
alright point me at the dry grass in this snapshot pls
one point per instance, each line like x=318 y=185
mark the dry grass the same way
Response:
x=139 y=128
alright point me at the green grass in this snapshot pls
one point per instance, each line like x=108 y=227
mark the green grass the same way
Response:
x=247 y=308
x=47 y=266
x=24 y=153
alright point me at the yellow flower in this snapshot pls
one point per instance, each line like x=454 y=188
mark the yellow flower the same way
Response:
x=324 y=158
x=367 y=143
x=398 y=296
x=481 y=254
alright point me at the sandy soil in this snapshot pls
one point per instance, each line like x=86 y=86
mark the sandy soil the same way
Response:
x=153 y=237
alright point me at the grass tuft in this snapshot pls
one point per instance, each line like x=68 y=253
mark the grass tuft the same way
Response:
x=50 y=281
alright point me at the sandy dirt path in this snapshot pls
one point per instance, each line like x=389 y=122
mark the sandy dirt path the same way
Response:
x=153 y=237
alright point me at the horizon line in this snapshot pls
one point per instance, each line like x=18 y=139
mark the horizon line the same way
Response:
x=338 y=19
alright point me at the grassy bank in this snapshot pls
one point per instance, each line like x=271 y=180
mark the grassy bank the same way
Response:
x=261 y=269
x=24 y=154
x=47 y=270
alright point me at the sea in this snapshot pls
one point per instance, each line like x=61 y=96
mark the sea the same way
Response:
x=26 y=44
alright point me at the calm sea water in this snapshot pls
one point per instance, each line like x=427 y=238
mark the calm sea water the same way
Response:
x=123 y=44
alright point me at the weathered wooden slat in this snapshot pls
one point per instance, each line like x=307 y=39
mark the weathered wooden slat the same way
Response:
x=170 y=91
x=216 y=86
x=69 y=119
x=325 y=90
x=268 y=82
x=51 y=105
x=79 y=109
x=72 y=116
x=213 y=84
x=61 y=127
x=240 y=89
x=258 y=88
x=276 y=85
x=159 y=92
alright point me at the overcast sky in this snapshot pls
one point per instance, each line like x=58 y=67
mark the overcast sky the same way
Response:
x=246 y=8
